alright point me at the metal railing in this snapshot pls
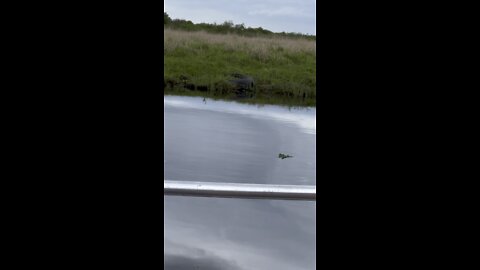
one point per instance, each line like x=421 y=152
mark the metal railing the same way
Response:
x=235 y=190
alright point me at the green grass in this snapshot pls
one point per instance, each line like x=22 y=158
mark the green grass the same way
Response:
x=284 y=69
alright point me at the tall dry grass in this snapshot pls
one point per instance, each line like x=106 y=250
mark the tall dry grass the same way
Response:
x=252 y=45
x=282 y=67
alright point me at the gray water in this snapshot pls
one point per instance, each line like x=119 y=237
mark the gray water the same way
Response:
x=207 y=140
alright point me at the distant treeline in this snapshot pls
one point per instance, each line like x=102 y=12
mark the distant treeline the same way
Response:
x=227 y=27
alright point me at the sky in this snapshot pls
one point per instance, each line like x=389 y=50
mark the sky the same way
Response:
x=275 y=15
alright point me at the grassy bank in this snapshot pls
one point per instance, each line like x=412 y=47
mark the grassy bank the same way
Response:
x=200 y=63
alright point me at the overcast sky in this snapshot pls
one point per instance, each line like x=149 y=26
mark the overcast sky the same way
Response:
x=275 y=15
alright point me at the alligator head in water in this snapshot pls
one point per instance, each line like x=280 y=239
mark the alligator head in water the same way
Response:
x=283 y=156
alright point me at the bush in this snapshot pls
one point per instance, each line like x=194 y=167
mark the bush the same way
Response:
x=228 y=27
x=166 y=19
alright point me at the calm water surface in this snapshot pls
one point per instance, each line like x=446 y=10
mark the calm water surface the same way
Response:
x=219 y=141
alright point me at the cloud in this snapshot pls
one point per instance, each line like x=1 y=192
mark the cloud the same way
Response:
x=179 y=262
x=274 y=15
x=182 y=257
x=282 y=11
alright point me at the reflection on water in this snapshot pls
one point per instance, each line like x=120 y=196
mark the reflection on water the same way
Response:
x=208 y=140
x=303 y=117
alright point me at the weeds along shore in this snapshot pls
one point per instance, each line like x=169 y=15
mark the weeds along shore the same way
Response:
x=201 y=63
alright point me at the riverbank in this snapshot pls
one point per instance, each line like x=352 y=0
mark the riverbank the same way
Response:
x=202 y=64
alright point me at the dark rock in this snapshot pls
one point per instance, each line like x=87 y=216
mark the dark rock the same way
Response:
x=242 y=81
x=202 y=88
x=190 y=86
x=170 y=83
x=242 y=84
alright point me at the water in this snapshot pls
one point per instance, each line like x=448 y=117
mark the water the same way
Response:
x=218 y=141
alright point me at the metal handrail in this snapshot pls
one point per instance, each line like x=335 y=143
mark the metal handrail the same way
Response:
x=236 y=190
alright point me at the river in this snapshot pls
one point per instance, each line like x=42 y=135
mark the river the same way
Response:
x=218 y=141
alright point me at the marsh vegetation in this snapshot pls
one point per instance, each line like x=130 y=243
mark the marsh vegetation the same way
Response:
x=204 y=64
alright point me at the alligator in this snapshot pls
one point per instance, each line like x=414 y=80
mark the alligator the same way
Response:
x=283 y=156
